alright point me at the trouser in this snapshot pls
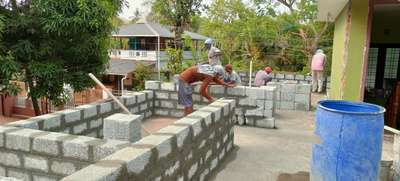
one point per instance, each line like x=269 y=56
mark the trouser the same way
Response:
x=317 y=80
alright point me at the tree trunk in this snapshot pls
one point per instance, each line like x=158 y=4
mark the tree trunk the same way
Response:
x=34 y=99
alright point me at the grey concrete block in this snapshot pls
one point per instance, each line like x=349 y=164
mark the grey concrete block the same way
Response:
x=255 y=112
x=71 y=115
x=217 y=112
x=109 y=147
x=237 y=91
x=280 y=76
x=77 y=148
x=136 y=159
x=78 y=129
x=43 y=178
x=10 y=159
x=167 y=104
x=161 y=142
x=173 y=96
x=303 y=98
x=247 y=102
x=32 y=123
x=302 y=107
x=123 y=127
x=9 y=179
x=303 y=89
x=284 y=105
x=129 y=99
x=161 y=112
x=140 y=97
x=299 y=77
x=224 y=105
x=309 y=78
x=265 y=123
x=19 y=174
x=206 y=116
x=105 y=107
x=50 y=120
x=181 y=133
x=288 y=96
x=149 y=94
x=168 y=86
x=193 y=122
x=255 y=92
x=161 y=95
x=289 y=76
x=105 y=171
x=2 y=171
x=63 y=168
x=89 y=110
x=36 y=163
x=47 y=144
x=288 y=88
x=217 y=89
x=96 y=123
x=177 y=113
x=20 y=140
x=143 y=106
x=152 y=85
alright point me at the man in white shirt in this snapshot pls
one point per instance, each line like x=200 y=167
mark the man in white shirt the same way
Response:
x=213 y=53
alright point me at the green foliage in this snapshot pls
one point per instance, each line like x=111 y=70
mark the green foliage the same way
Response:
x=58 y=42
x=8 y=72
x=142 y=73
x=174 y=65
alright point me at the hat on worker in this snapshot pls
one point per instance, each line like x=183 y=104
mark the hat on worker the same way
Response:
x=268 y=69
x=219 y=69
x=209 y=41
x=320 y=51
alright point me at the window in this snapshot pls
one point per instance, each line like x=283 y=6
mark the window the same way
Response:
x=372 y=66
x=392 y=62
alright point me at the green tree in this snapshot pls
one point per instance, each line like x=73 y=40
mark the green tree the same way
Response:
x=58 y=42
x=179 y=15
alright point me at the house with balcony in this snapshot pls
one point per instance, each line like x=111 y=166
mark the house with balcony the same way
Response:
x=144 y=43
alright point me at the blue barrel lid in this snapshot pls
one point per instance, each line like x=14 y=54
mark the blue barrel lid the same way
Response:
x=349 y=107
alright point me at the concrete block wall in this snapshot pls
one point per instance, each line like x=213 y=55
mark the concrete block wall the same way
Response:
x=35 y=155
x=190 y=149
x=255 y=104
x=292 y=95
x=88 y=119
x=281 y=77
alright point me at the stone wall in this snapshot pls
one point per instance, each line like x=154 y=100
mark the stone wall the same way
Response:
x=256 y=105
x=190 y=149
x=88 y=119
x=35 y=155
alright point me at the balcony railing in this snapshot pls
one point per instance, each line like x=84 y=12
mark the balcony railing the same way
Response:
x=144 y=55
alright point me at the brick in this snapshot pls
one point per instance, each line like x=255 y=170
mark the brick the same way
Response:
x=96 y=123
x=206 y=116
x=286 y=105
x=152 y=85
x=72 y=115
x=255 y=112
x=168 y=86
x=173 y=96
x=288 y=88
x=63 y=168
x=10 y=159
x=217 y=89
x=47 y=144
x=36 y=163
x=181 y=133
x=231 y=102
x=105 y=171
x=149 y=94
x=237 y=91
x=266 y=123
x=303 y=98
x=193 y=122
x=161 y=112
x=161 y=142
x=105 y=107
x=143 y=106
x=109 y=147
x=161 y=95
x=247 y=102
x=300 y=77
x=167 y=104
x=303 y=89
x=225 y=106
x=20 y=140
x=32 y=123
x=255 y=93
x=288 y=96
x=78 y=129
x=217 y=112
x=289 y=76
x=280 y=76
x=4 y=130
x=77 y=148
x=123 y=127
x=129 y=99
x=18 y=174
x=136 y=159
x=140 y=96
x=89 y=110
x=50 y=120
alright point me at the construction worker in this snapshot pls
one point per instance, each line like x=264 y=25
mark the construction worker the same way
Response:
x=263 y=77
x=317 y=68
x=200 y=73
x=213 y=52
x=231 y=77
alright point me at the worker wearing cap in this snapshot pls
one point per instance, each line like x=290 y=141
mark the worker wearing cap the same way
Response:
x=200 y=73
x=231 y=77
x=213 y=52
x=317 y=67
x=263 y=77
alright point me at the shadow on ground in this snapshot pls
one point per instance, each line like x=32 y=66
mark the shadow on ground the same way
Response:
x=299 y=176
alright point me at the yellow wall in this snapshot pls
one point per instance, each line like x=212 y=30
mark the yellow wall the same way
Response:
x=350 y=43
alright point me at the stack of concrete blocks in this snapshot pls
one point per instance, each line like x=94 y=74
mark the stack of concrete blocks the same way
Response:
x=253 y=104
x=396 y=156
x=190 y=149
x=34 y=155
x=88 y=119
x=123 y=127
x=9 y=179
x=292 y=96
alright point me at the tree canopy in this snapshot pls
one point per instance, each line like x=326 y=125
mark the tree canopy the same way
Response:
x=52 y=43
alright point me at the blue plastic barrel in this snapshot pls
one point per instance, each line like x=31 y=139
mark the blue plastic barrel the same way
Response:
x=351 y=137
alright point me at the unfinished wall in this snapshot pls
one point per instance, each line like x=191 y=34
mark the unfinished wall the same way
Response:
x=292 y=96
x=34 y=155
x=255 y=104
x=190 y=149
x=88 y=119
